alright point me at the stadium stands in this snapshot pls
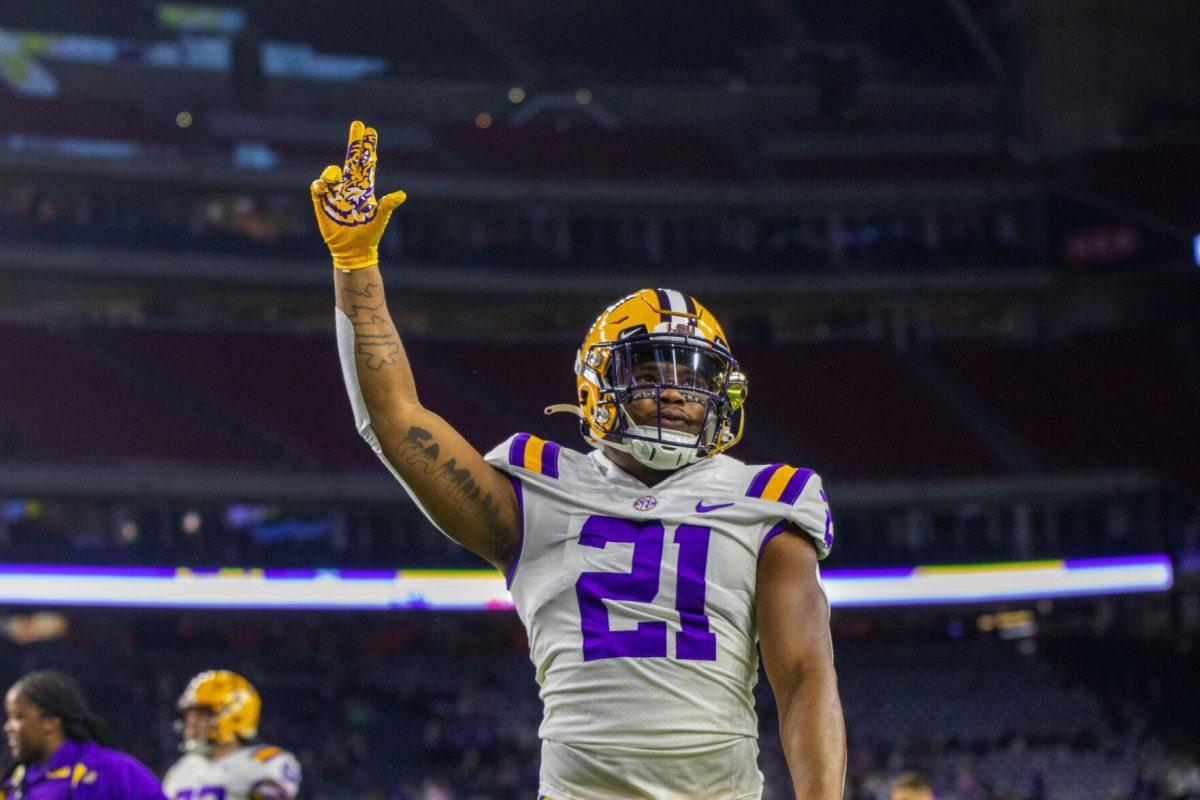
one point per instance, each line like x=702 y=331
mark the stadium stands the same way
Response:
x=85 y=118
x=528 y=237
x=63 y=401
x=287 y=386
x=1104 y=399
x=857 y=410
x=899 y=167
x=590 y=151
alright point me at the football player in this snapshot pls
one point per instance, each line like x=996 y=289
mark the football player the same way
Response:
x=649 y=572
x=219 y=713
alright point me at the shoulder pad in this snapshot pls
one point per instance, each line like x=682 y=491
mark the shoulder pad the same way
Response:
x=779 y=483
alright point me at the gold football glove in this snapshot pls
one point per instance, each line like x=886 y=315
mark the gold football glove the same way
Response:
x=350 y=218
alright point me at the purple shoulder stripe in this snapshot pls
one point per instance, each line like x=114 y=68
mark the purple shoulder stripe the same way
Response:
x=759 y=484
x=791 y=492
x=516 y=451
x=550 y=459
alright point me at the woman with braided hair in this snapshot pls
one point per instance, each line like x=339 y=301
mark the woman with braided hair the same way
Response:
x=56 y=744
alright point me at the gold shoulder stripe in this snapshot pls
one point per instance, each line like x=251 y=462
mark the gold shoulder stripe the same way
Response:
x=267 y=753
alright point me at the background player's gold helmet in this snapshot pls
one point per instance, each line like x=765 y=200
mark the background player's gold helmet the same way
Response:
x=686 y=344
x=233 y=702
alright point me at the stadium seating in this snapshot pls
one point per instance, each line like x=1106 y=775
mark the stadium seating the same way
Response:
x=285 y=385
x=72 y=117
x=585 y=150
x=290 y=387
x=1103 y=400
x=851 y=409
x=63 y=401
x=854 y=409
x=882 y=167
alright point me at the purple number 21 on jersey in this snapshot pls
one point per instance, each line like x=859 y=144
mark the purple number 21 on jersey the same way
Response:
x=693 y=641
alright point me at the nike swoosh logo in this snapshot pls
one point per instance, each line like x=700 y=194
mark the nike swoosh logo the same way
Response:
x=702 y=509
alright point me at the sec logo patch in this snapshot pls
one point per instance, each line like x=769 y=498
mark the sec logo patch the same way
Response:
x=645 y=503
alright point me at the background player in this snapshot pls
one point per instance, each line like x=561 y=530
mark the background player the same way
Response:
x=912 y=786
x=54 y=739
x=220 y=711
x=645 y=655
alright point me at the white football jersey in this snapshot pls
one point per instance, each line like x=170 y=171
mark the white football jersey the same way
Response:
x=639 y=604
x=252 y=771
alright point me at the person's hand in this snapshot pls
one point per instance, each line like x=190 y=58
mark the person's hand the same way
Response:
x=350 y=218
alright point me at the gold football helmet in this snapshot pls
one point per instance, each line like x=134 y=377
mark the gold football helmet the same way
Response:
x=233 y=702
x=652 y=340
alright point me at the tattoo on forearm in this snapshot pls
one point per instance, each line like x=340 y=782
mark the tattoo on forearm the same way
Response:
x=419 y=450
x=376 y=342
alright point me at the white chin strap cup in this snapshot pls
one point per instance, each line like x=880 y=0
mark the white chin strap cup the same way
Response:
x=662 y=455
x=199 y=746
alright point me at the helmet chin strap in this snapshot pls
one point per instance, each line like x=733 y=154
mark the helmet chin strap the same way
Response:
x=672 y=450
x=198 y=746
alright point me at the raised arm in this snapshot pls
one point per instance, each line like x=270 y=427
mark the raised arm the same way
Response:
x=468 y=499
x=797 y=653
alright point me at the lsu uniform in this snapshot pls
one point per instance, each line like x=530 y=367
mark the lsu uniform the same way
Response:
x=639 y=605
x=82 y=771
x=247 y=773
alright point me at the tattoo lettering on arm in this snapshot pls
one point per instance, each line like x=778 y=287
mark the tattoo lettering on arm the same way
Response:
x=462 y=487
x=376 y=342
x=418 y=449
x=421 y=454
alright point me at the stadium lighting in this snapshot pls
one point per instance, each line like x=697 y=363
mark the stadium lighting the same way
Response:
x=482 y=590
x=483 y=120
x=516 y=95
x=184 y=119
x=190 y=523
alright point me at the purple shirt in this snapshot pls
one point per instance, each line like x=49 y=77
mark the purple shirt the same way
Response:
x=84 y=772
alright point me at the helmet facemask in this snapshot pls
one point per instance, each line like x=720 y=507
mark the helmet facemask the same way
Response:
x=196 y=741
x=645 y=366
